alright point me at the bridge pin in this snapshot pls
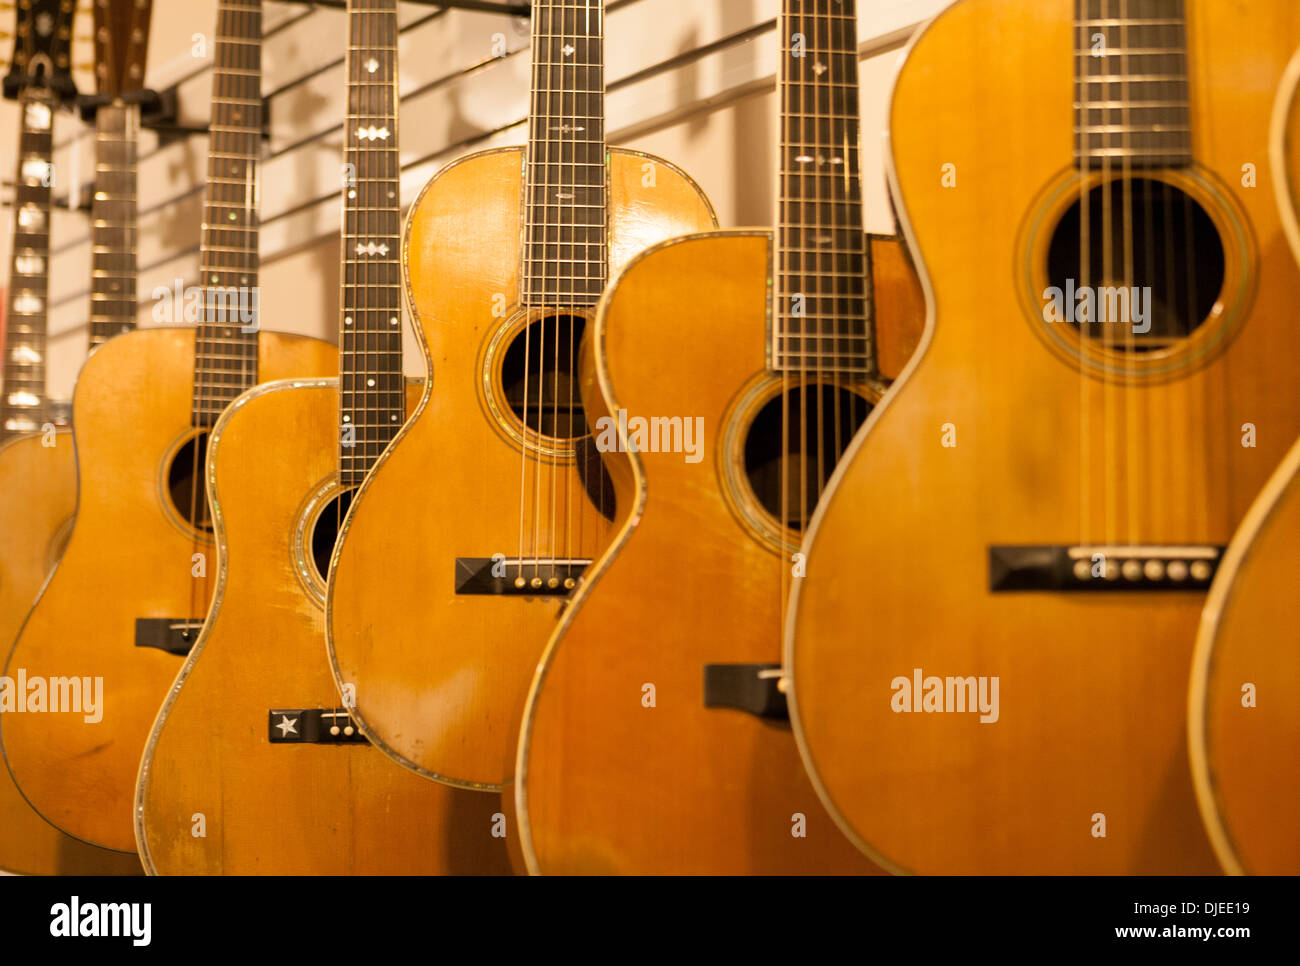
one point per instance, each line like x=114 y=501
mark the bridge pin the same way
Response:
x=1200 y=570
x=1132 y=570
x=553 y=582
x=1177 y=570
x=1082 y=570
x=349 y=731
x=570 y=583
x=535 y=582
x=520 y=582
x=1154 y=569
x=334 y=729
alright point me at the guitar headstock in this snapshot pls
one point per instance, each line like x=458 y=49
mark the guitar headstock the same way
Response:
x=121 y=45
x=42 y=48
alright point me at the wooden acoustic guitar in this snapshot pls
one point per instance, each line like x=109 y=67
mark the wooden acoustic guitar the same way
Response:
x=655 y=739
x=38 y=475
x=989 y=649
x=297 y=790
x=129 y=594
x=463 y=544
x=1243 y=714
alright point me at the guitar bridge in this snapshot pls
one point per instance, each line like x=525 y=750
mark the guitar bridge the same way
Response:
x=175 y=635
x=757 y=689
x=518 y=577
x=312 y=726
x=1102 y=568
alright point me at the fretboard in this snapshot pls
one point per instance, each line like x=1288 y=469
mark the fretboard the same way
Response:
x=372 y=399
x=565 y=194
x=820 y=303
x=23 y=407
x=113 y=223
x=225 y=361
x=1131 y=100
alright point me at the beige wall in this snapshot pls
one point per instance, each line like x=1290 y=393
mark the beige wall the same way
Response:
x=713 y=114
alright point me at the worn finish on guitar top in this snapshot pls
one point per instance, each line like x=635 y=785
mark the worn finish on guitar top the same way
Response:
x=300 y=809
x=38 y=496
x=606 y=784
x=441 y=678
x=129 y=556
x=1091 y=724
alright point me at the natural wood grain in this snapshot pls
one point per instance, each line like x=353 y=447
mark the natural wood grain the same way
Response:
x=441 y=678
x=38 y=496
x=307 y=809
x=898 y=304
x=1243 y=716
x=606 y=784
x=126 y=558
x=1092 y=686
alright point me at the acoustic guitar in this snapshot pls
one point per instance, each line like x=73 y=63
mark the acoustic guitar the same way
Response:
x=1243 y=718
x=124 y=604
x=1036 y=509
x=462 y=545
x=298 y=790
x=38 y=476
x=655 y=739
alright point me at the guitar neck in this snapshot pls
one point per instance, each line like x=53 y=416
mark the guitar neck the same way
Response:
x=1131 y=94
x=225 y=358
x=372 y=397
x=24 y=405
x=565 y=256
x=820 y=320
x=113 y=219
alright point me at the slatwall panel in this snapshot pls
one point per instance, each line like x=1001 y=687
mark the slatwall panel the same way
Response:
x=691 y=80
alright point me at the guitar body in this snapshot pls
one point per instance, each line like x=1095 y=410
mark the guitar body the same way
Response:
x=981 y=445
x=39 y=487
x=441 y=677
x=294 y=809
x=131 y=554
x=1243 y=721
x=605 y=783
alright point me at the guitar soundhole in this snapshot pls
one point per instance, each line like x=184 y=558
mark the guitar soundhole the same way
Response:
x=325 y=532
x=800 y=435
x=1147 y=292
x=539 y=373
x=185 y=482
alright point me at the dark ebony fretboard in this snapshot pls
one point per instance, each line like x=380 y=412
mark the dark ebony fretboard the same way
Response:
x=113 y=223
x=23 y=406
x=225 y=361
x=564 y=218
x=1131 y=101
x=371 y=386
x=820 y=311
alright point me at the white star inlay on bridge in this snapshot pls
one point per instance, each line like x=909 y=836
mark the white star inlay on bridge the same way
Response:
x=287 y=727
x=373 y=133
x=370 y=248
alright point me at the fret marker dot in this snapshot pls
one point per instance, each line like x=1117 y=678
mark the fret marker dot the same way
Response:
x=351 y=193
x=372 y=65
x=347 y=419
x=392 y=321
x=232 y=216
x=392 y=419
x=347 y=320
x=370 y=382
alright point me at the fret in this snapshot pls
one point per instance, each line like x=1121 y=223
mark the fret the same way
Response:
x=23 y=402
x=226 y=359
x=820 y=269
x=1131 y=84
x=565 y=201
x=372 y=394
